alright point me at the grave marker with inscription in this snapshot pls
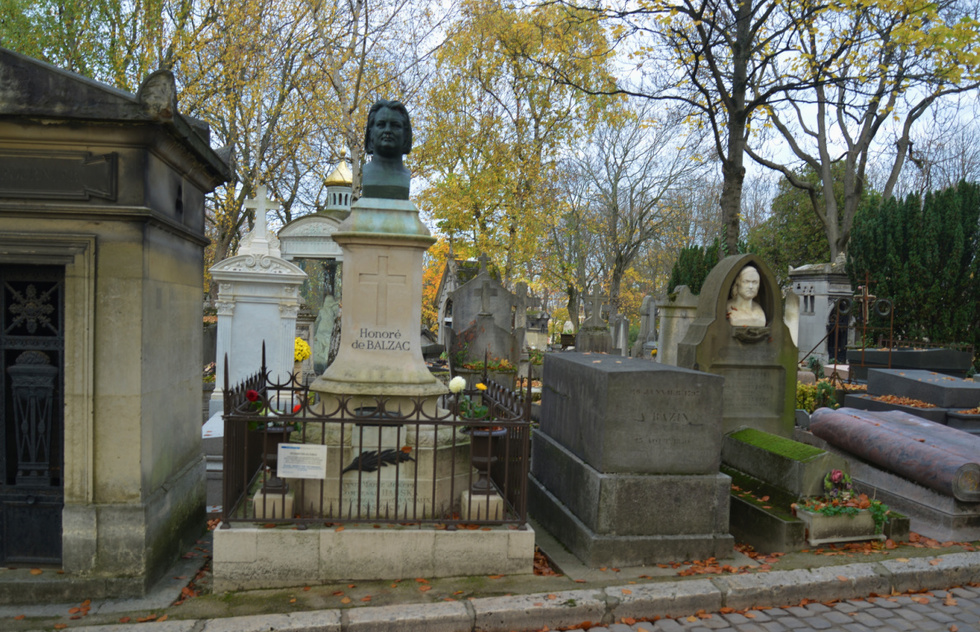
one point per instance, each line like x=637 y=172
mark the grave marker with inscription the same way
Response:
x=757 y=362
x=621 y=440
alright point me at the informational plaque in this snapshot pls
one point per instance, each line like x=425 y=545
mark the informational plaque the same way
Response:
x=299 y=460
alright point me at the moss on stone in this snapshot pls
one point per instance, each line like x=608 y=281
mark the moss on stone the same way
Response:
x=781 y=446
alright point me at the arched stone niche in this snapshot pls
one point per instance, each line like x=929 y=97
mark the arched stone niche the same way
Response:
x=758 y=363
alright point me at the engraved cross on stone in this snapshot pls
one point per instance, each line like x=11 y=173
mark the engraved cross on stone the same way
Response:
x=486 y=291
x=383 y=280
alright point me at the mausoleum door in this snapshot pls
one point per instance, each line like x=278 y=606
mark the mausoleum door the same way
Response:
x=31 y=413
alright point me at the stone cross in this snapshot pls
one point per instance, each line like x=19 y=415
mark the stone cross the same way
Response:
x=257 y=242
x=383 y=280
x=484 y=262
x=520 y=311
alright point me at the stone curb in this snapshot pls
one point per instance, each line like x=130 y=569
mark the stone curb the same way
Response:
x=521 y=613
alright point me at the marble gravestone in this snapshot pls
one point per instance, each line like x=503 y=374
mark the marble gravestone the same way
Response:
x=258 y=301
x=739 y=333
x=620 y=441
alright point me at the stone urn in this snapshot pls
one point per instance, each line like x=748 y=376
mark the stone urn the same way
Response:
x=483 y=445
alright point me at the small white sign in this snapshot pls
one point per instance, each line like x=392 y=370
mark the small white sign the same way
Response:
x=299 y=460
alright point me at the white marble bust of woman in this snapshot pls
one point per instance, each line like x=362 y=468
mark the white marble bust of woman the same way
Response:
x=742 y=308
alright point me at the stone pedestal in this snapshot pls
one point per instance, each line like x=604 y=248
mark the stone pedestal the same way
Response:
x=380 y=350
x=481 y=506
x=676 y=315
x=273 y=504
x=620 y=441
x=404 y=489
x=380 y=356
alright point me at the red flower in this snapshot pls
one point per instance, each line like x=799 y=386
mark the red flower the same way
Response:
x=297 y=408
x=252 y=395
x=836 y=476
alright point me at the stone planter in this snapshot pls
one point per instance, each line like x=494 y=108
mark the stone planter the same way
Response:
x=821 y=529
x=298 y=372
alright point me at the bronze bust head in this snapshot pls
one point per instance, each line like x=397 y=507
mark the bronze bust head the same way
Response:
x=387 y=138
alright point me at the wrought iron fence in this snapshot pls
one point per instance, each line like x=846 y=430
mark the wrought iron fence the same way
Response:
x=459 y=460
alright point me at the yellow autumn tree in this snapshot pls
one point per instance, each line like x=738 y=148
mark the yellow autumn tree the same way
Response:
x=496 y=124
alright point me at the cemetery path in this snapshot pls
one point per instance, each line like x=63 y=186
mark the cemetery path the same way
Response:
x=850 y=589
x=956 y=610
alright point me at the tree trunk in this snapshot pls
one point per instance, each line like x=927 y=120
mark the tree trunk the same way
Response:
x=731 y=202
x=573 y=299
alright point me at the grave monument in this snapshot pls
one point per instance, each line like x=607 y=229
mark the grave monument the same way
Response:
x=380 y=356
x=383 y=242
x=623 y=449
x=379 y=363
x=594 y=333
x=258 y=301
x=101 y=268
x=819 y=287
x=739 y=333
x=677 y=313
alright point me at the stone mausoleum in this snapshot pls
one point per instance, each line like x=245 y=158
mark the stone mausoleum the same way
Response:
x=101 y=269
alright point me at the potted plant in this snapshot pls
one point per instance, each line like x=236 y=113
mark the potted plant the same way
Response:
x=841 y=515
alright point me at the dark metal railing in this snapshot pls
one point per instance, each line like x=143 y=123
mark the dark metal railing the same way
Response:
x=403 y=460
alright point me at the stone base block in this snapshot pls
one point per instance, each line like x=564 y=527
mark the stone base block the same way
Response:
x=272 y=505
x=249 y=558
x=596 y=550
x=864 y=402
x=766 y=531
x=619 y=504
x=784 y=463
x=941 y=390
x=481 y=506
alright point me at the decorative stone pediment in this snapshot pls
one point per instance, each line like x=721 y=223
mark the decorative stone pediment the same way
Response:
x=310 y=237
x=254 y=267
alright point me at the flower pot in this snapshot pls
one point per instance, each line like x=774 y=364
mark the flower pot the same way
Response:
x=823 y=529
x=482 y=457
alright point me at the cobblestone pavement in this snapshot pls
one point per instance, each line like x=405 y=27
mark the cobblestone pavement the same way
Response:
x=956 y=610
